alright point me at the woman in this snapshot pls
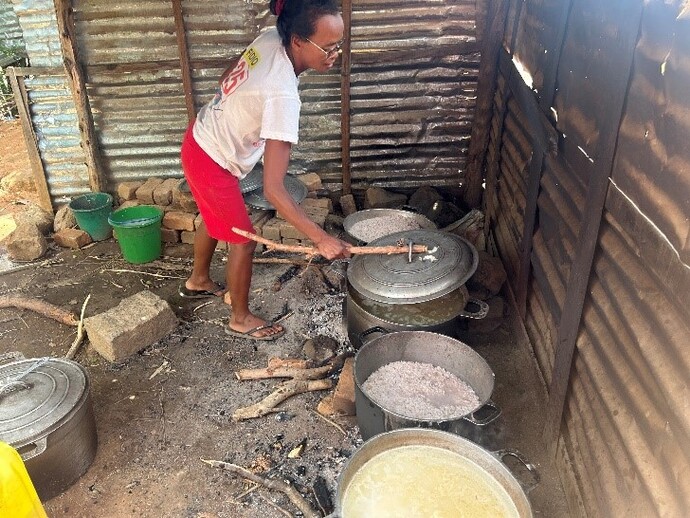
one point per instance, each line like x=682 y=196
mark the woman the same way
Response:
x=255 y=113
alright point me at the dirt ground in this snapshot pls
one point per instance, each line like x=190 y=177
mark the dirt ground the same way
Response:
x=154 y=429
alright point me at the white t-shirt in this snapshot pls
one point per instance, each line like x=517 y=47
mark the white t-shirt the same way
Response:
x=258 y=100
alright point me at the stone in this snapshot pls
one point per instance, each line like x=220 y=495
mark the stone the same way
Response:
x=145 y=192
x=35 y=215
x=198 y=220
x=377 y=198
x=488 y=278
x=320 y=349
x=129 y=203
x=72 y=238
x=134 y=324
x=25 y=243
x=344 y=394
x=128 y=190
x=424 y=198
x=168 y=235
x=271 y=229
x=348 y=205
x=163 y=193
x=187 y=237
x=64 y=218
x=183 y=199
x=320 y=203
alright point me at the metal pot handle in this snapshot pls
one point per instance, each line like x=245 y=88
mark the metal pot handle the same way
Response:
x=372 y=330
x=493 y=413
x=477 y=315
x=526 y=485
x=29 y=451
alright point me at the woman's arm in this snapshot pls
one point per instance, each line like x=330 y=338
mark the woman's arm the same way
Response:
x=276 y=159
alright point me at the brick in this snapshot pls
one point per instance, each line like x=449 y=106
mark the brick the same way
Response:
x=128 y=190
x=348 y=205
x=72 y=238
x=320 y=203
x=187 y=237
x=163 y=194
x=145 y=192
x=168 y=235
x=184 y=200
x=134 y=324
x=179 y=220
x=375 y=197
x=290 y=242
x=290 y=232
x=311 y=180
x=271 y=229
x=259 y=217
x=344 y=394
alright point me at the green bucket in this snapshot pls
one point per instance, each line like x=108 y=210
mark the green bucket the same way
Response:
x=91 y=212
x=138 y=231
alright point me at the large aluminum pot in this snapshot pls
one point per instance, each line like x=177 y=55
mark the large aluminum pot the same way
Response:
x=420 y=346
x=483 y=474
x=46 y=415
x=437 y=316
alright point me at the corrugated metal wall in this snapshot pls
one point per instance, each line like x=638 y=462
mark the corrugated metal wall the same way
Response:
x=10 y=32
x=413 y=86
x=50 y=101
x=626 y=422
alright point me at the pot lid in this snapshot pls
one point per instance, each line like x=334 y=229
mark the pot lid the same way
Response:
x=253 y=181
x=295 y=188
x=48 y=392
x=393 y=279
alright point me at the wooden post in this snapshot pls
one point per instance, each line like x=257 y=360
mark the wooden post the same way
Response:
x=345 y=66
x=22 y=101
x=184 y=59
x=486 y=88
x=89 y=142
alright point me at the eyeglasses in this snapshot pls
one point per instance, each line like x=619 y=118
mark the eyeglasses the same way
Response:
x=330 y=52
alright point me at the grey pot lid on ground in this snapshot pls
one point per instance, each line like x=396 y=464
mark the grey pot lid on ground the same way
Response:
x=392 y=279
x=295 y=188
x=41 y=399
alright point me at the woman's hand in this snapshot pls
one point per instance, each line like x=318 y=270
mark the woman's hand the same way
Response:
x=333 y=248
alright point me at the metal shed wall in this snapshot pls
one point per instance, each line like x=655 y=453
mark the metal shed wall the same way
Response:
x=413 y=82
x=50 y=102
x=626 y=417
x=10 y=31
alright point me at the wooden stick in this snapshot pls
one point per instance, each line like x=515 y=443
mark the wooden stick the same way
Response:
x=310 y=250
x=39 y=306
x=71 y=353
x=295 y=373
x=283 y=392
x=278 y=485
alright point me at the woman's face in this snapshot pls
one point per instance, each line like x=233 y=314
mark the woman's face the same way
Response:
x=320 y=51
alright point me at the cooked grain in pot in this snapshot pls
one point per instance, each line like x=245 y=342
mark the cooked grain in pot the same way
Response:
x=373 y=228
x=419 y=390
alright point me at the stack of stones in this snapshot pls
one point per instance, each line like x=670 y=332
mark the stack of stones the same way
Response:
x=181 y=215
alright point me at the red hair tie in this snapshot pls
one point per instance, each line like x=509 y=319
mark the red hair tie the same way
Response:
x=279 y=7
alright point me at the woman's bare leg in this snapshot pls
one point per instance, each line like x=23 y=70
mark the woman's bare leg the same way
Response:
x=239 y=278
x=200 y=279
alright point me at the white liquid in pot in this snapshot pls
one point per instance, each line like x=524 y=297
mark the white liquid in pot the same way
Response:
x=424 y=482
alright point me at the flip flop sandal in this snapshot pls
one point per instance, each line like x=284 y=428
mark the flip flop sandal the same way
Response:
x=248 y=334
x=187 y=293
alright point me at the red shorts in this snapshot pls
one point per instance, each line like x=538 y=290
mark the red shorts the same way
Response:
x=216 y=192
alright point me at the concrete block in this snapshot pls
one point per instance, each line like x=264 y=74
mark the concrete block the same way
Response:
x=134 y=324
x=145 y=193
x=72 y=238
x=287 y=231
x=271 y=229
x=179 y=220
x=163 y=193
x=128 y=190
x=291 y=242
x=321 y=203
